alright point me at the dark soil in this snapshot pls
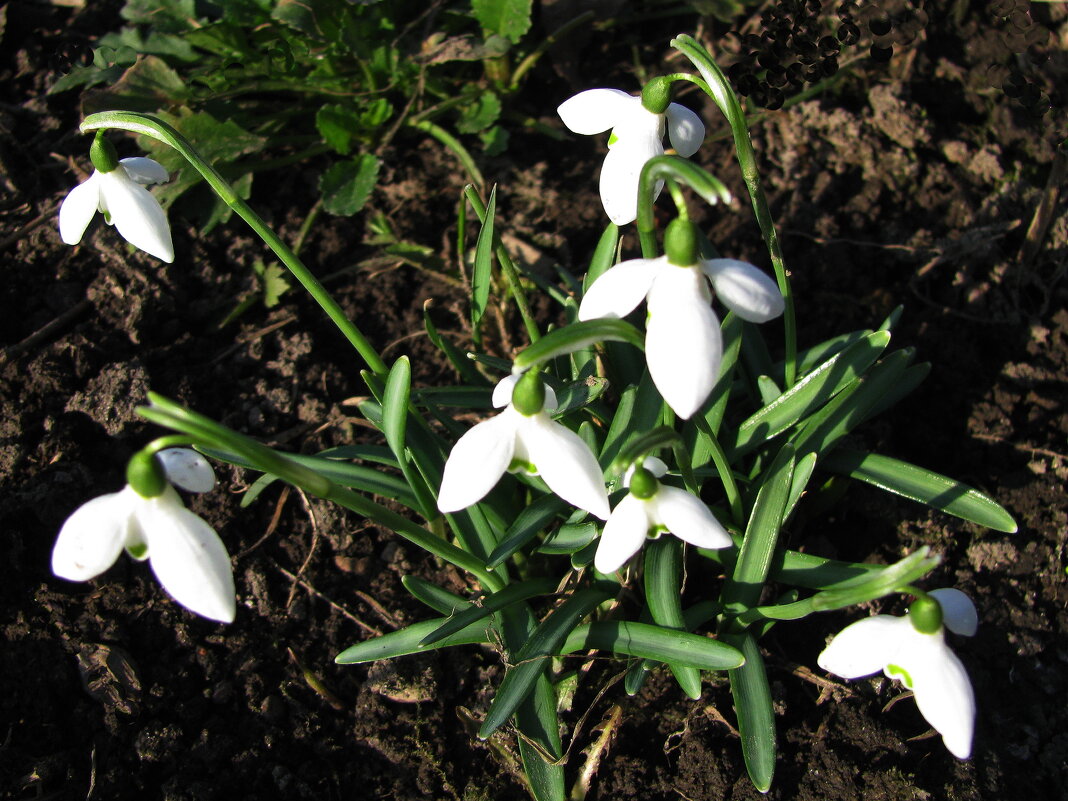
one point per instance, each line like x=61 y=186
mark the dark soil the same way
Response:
x=913 y=182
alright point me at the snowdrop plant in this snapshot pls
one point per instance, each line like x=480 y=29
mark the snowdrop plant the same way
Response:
x=148 y=520
x=516 y=501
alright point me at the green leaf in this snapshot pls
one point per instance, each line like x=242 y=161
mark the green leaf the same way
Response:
x=441 y=601
x=494 y=140
x=513 y=593
x=147 y=86
x=479 y=114
x=570 y=538
x=638 y=410
x=507 y=18
x=646 y=641
x=663 y=595
x=756 y=716
x=922 y=485
x=604 y=255
x=482 y=274
x=337 y=125
x=575 y=337
x=272 y=279
x=530 y=521
x=346 y=186
x=812 y=392
x=407 y=641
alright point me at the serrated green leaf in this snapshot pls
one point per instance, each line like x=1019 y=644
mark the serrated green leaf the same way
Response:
x=507 y=18
x=922 y=485
x=345 y=187
x=273 y=283
x=337 y=125
x=148 y=85
x=494 y=140
x=479 y=114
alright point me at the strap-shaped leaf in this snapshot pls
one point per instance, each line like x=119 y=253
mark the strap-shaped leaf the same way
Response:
x=482 y=274
x=604 y=255
x=526 y=527
x=812 y=392
x=458 y=397
x=456 y=358
x=756 y=716
x=533 y=658
x=396 y=397
x=802 y=473
x=924 y=486
x=406 y=641
x=576 y=336
x=663 y=594
x=441 y=601
x=648 y=641
x=638 y=410
x=641 y=445
x=513 y=593
x=912 y=377
x=570 y=538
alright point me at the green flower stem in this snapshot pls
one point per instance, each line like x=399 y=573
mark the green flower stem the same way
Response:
x=148 y=125
x=674 y=170
x=511 y=275
x=453 y=144
x=719 y=89
x=723 y=468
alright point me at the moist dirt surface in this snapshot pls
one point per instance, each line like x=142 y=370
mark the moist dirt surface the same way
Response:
x=912 y=182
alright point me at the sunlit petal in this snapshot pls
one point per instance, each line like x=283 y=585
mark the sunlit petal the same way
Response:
x=685 y=130
x=942 y=689
x=188 y=557
x=958 y=611
x=685 y=516
x=623 y=535
x=502 y=393
x=745 y=289
x=618 y=291
x=565 y=462
x=651 y=463
x=683 y=344
x=144 y=170
x=92 y=537
x=137 y=215
x=595 y=110
x=621 y=170
x=77 y=209
x=865 y=647
x=477 y=461
x=187 y=469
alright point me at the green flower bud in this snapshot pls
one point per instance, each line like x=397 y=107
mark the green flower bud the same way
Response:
x=656 y=95
x=528 y=397
x=643 y=484
x=145 y=474
x=925 y=614
x=102 y=154
x=680 y=243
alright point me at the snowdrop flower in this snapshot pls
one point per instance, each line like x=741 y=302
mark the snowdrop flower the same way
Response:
x=912 y=649
x=637 y=136
x=523 y=437
x=650 y=509
x=117 y=189
x=683 y=345
x=148 y=519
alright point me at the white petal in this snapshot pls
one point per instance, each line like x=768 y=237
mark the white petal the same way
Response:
x=502 y=393
x=477 y=461
x=685 y=130
x=623 y=535
x=745 y=289
x=137 y=215
x=92 y=537
x=619 y=291
x=683 y=344
x=187 y=469
x=942 y=690
x=77 y=209
x=864 y=647
x=620 y=172
x=145 y=171
x=651 y=463
x=685 y=516
x=595 y=110
x=958 y=611
x=565 y=462
x=188 y=557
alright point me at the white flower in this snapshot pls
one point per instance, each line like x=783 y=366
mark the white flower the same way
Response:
x=637 y=136
x=513 y=441
x=186 y=554
x=121 y=195
x=683 y=345
x=922 y=662
x=667 y=509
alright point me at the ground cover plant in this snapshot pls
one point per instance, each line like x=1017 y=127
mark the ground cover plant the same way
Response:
x=760 y=392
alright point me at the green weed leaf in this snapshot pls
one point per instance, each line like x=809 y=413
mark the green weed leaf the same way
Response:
x=346 y=186
x=507 y=18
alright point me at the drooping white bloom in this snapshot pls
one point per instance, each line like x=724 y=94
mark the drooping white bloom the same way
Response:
x=683 y=345
x=637 y=136
x=513 y=441
x=121 y=196
x=668 y=509
x=186 y=554
x=922 y=662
